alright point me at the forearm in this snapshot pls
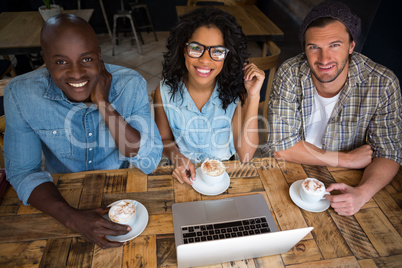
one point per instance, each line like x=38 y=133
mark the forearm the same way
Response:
x=170 y=149
x=377 y=175
x=127 y=138
x=248 y=139
x=48 y=199
x=306 y=153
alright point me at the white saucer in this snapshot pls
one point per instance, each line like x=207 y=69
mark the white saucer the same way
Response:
x=137 y=225
x=200 y=186
x=294 y=192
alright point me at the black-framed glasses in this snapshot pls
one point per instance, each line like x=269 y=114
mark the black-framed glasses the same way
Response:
x=196 y=50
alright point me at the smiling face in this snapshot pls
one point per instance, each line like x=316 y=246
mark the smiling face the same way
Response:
x=202 y=71
x=73 y=58
x=327 y=49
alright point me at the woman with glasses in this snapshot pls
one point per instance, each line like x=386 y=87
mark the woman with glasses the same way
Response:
x=206 y=106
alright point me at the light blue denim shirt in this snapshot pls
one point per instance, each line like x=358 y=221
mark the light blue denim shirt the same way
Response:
x=200 y=134
x=72 y=136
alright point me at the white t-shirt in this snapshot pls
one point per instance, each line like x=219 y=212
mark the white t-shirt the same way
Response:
x=320 y=114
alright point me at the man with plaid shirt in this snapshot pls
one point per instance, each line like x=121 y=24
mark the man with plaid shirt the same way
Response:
x=332 y=106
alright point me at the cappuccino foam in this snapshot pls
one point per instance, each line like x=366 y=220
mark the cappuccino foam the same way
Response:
x=213 y=167
x=313 y=186
x=122 y=212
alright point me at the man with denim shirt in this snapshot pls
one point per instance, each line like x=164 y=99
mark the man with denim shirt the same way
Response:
x=332 y=106
x=83 y=115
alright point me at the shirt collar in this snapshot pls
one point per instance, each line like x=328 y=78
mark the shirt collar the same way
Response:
x=53 y=92
x=305 y=72
x=356 y=73
x=187 y=101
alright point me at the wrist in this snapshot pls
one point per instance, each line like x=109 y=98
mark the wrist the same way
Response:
x=253 y=98
x=68 y=219
x=343 y=160
x=364 y=192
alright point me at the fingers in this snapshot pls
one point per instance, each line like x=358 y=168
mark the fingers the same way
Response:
x=184 y=170
x=337 y=186
x=177 y=176
x=115 y=229
x=347 y=203
x=192 y=171
x=252 y=71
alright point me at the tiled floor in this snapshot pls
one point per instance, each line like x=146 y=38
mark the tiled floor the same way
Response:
x=148 y=64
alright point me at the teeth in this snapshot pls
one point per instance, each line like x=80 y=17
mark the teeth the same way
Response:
x=78 y=84
x=326 y=67
x=204 y=71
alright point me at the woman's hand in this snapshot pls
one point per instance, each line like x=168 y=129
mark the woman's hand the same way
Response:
x=253 y=79
x=184 y=170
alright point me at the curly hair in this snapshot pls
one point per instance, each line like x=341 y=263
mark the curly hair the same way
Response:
x=230 y=79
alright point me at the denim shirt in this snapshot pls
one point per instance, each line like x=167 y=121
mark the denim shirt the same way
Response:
x=73 y=136
x=200 y=134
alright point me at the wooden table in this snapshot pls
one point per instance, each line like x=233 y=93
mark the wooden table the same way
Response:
x=256 y=26
x=370 y=238
x=20 y=31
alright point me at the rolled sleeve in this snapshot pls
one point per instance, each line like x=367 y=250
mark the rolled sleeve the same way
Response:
x=284 y=116
x=385 y=128
x=22 y=159
x=150 y=151
x=135 y=98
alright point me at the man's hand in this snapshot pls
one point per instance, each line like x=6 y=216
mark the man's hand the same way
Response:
x=101 y=90
x=94 y=227
x=348 y=202
x=184 y=170
x=358 y=158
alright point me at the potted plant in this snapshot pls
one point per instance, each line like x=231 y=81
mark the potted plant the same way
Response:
x=47 y=10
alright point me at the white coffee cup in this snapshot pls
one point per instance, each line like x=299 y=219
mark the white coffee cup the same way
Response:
x=122 y=211
x=312 y=190
x=212 y=171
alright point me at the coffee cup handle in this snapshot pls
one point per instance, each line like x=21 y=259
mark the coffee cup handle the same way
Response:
x=326 y=193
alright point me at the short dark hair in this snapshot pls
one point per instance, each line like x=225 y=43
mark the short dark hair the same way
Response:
x=230 y=79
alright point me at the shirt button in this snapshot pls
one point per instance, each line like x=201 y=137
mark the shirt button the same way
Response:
x=90 y=149
x=90 y=161
x=54 y=132
x=90 y=134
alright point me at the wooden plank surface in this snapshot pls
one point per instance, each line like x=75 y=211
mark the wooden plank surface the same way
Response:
x=255 y=24
x=21 y=29
x=56 y=252
x=385 y=239
x=370 y=238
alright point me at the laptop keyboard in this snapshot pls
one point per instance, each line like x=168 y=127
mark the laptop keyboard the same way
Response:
x=224 y=230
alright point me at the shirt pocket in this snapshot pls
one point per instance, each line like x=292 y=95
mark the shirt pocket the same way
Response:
x=347 y=134
x=58 y=141
x=221 y=137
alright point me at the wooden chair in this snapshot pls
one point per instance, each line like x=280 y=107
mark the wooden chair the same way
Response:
x=3 y=84
x=6 y=67
x=267 y=63
x=211 y=2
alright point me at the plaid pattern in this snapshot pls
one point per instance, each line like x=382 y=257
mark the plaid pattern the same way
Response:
x=368 y=110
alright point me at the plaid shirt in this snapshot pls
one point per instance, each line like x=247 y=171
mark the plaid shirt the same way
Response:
x=368 y=110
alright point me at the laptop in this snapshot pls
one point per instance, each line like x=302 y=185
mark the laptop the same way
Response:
x=230 y=229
